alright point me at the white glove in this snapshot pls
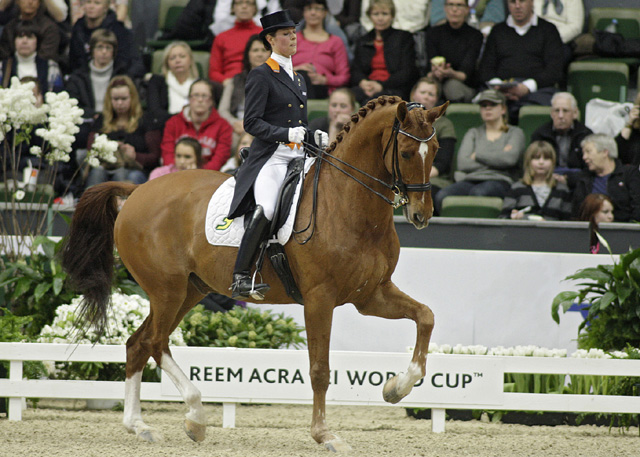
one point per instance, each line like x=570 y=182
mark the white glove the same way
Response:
x=296 y=134
x=322 y=139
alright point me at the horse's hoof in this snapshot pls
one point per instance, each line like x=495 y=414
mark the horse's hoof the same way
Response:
x=337 y=445
x=390 y=391
x=149 y=435
x=194 y=430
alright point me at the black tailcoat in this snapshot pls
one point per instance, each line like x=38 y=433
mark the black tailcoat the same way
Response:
x=273 y=104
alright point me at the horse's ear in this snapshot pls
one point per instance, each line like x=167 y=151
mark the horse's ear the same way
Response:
x=402 y=112
x=437 y=112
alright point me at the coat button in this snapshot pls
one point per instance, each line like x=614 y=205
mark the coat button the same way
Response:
x=300 y=122
x=301 y=106
x=289 y=105
x=289 y=121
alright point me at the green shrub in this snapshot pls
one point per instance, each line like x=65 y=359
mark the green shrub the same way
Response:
x=242 y=328
x=613 y=295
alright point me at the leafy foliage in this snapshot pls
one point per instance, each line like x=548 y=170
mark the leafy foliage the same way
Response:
x=240 y=327
x=36 y=285
x=613 y=295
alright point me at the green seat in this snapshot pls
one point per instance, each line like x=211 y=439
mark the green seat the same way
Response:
x=606 y=80
x=628 y=20
x=471 y=206
x=201 y=59
x=531 y=117
x=317 y=108
x=464 y=116
x=628 y=26
x=168 y=15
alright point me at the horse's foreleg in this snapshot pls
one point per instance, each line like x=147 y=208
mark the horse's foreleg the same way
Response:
x=318 y=324
x=391 y=303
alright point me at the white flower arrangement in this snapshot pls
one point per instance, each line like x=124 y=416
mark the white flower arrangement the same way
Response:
x=127 y=314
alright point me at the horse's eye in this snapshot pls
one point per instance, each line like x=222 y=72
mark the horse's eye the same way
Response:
x=406 y=155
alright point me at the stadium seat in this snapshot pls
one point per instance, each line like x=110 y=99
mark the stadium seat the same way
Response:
x=168 y=15
x=464 y=116
x=317 y=108
x=606 y=80
x=471 y=206
x=628 y=20
x=531 y=117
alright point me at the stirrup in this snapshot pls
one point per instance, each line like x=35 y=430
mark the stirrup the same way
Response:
x=244 y=286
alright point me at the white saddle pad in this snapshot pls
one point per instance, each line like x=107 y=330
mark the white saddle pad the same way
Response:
x=222 y=231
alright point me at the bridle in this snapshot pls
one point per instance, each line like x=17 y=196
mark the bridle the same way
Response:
x=397 y=186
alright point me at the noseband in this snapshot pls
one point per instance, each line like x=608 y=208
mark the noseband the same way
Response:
x=400 y=188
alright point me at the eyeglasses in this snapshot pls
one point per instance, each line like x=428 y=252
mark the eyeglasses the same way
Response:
x=456 y=5
x=200 y=96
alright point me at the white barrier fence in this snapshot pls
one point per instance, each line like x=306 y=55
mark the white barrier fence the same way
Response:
x=231 y=376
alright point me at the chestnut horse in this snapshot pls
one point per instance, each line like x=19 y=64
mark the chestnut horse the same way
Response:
x=160 y=236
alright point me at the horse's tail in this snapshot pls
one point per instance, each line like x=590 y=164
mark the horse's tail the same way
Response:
x=87 y=251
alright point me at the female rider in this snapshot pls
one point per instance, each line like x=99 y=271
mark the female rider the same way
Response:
x=276 y=115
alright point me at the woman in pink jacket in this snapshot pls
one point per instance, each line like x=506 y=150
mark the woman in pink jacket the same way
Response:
x=321 y=57
x=199 y=119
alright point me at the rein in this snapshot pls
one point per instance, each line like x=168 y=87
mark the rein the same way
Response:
x=398 y=186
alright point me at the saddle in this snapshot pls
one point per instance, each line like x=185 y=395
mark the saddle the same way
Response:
x=271 y=247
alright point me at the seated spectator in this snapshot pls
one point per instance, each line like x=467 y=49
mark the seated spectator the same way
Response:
x=595 y=209
x=188 y=156
x=427 y=92
x=320 y=57
x=169 y=93
x=488 y=158
x=565 y=133
x=459 y=44
x=26 y=61
x=32 y=11
x=236 y=158
x=342 y=104
x=55 y=9
x=384 y=61
x=89 y=84
x=607 y=175
x=199 y=119
x=523 y=58
x=231 y=106
x=97 y=15
x=122 y=121
x=120 y=7
x=223 y=18
x=487 y=14
x=228 y=47
x=628 y=139
x=408 y=15
x=538 y=195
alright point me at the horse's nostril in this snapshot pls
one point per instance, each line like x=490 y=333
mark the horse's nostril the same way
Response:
x=417 y=217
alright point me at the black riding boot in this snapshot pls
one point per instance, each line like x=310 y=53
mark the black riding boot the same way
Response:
x=254 y=234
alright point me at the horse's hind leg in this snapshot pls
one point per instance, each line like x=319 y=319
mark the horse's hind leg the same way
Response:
x=391 y=303
x=152 y=339
x=318 y=324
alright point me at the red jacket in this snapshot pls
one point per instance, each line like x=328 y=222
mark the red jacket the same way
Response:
x=228 y=50
x=214 y=136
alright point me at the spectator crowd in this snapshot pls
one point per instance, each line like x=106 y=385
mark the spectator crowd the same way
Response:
x=500 y=54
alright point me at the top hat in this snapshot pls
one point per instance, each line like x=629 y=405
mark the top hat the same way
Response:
x=274 y=21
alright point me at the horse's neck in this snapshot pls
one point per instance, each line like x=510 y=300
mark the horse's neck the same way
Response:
x=360 y=148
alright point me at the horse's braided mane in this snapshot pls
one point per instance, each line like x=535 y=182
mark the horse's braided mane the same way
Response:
x=361 y=114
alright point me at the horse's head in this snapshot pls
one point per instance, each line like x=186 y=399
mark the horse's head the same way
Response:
x=411 y=164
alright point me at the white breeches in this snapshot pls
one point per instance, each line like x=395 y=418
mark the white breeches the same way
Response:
x=271 y=177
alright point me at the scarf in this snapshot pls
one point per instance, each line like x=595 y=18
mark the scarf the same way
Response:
x=99 y=81
x=26 y=66
x=178 y=93
x=556 y=3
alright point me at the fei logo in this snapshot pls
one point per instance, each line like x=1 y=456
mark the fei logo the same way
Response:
x=226 y=223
